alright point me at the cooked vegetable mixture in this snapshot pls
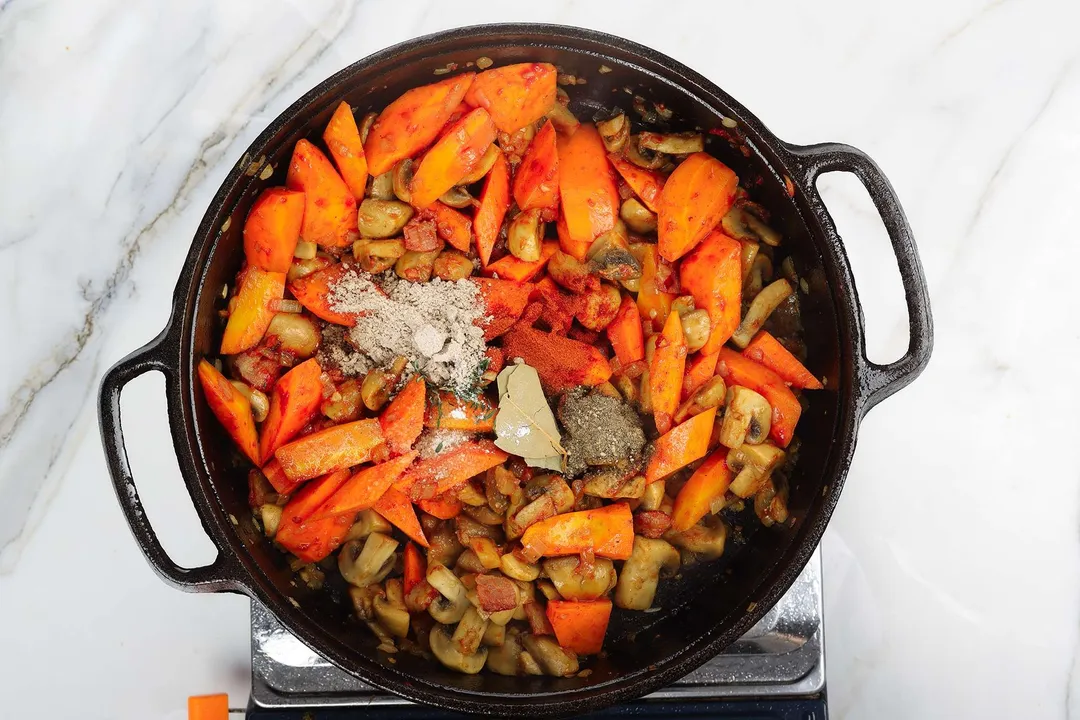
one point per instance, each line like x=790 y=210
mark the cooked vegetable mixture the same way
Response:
x=503 y=369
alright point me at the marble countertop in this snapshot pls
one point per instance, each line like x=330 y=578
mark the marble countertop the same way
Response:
x=951 y=590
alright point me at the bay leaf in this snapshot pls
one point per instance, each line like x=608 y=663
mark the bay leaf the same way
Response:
x=524 y=423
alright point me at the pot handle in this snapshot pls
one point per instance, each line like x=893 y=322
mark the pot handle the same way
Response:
x=215 y=577
x=878 y=381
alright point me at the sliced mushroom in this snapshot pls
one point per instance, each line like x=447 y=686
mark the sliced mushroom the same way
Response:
x=696 y=329
x=395 y=619
x=382 y=186
x=363 y=600
x=570 y=272
x=744 y=225
x=761 y=272
x=609 y=256
x=364 y=126
x=575 y=581
x=484 y=515
x=770 y=505
x=552 y=496
x=448 y=653
x=494 y=636
x=653 y=495
x=444 y=547
x=487 y=552
x=378 y=383
x=503 y=659
x=368 y=522
x=452 y=602
x=637 y=217
x=270 y=515
x=709 y=395
x=640 y=574
x=563 y=120
x=672 y=144
x=457 y=197
x=296 y=334
x=368 y=562
x=598 y=307
x=305 y=250
x=403 y=175
x=469 y=561
x=416 y=266
x=747 y=418
x=376 y=256
x=643 y=157
x=749 y=254
x=514 y=567
x=550 y=656
x=527 y=665
x=469 y=632
x=451 y=265
x=525 y=235
x=706 y=539
x=257 y=399
x=382 y=218
x=615 y=132
x=762 y=306
x=487 y=160
x=611 y=484
x=468 y=530
x=346 y=404
x=753 y=465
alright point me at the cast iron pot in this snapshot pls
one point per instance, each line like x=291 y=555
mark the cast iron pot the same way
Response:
x=712 y=604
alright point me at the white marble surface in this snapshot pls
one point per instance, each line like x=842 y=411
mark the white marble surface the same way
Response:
x=952 y=583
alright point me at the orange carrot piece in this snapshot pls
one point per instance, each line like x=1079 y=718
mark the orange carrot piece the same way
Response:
x=403 y=419
x=308 y=538
x=590 y=200
x=329 y=206
x=509 y=267
x=454 y=156
x=254 y=308
x=739 y=370
x=504 y=301
x=561 y=362
x=767 y=350
x=709 y=482
x=342 y=137
x=515 y=95
x=231 y=409
x=449 y=471
x=578 y=249
x=712 y=274
x=680 y=446
x=334 y=448
x=536 y=183
x=415 y=567
x=580 y=626
x=396 y=507
x=363 y=489
x=452 y=226
x=449 y=412
x=272 y=229
x=666 y=372
x=444 y=507
x=294 y=401
x=624 y=333
x=413 y=121
x=653 y=303
x=494 y=202
x=646 y=184
x=208 y=707
x=607 y=532
x=698 y=371
x=695 y=197
x=313 y=292
x=277 y=477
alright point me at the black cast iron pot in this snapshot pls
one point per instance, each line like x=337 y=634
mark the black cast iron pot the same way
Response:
x=712 y=604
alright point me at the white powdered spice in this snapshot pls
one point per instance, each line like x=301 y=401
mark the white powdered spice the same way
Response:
x=436 y=442
x=437 y=326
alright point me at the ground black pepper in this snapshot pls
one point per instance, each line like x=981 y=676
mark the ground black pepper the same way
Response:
x=599 y=430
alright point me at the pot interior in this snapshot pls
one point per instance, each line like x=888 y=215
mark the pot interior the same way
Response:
x=711 y=604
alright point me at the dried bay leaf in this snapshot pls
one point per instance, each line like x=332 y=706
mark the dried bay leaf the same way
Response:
x=524 y=424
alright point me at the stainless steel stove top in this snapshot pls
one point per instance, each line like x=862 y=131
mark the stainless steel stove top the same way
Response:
x=781 y=656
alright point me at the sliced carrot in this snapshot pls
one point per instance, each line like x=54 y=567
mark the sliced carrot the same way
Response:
x=515 y=95
x=333 y=448
x=580 y=626
x=413 y=121
x=254 y=307
x=709 y=482
x=396 y=507
x=444 y=507
x=363 y=489
x=294 y=401
x=504 y=301
x=666 y=372
x=590 y=200
x=698 y=371
x=443 y=473
x=277 y=477
x=447 y=411
x=272 y=229
x=452 y=226
x=653 y=303
x=415 y=567
x=712 y=274
x=313 y=292
x=695 y=197
x=578 y=249
x=329 y=206
x=739 y=370
x=208 y=707
x=342 y=138
x=454 y=156
x=403 y=419
x=624 y=333
x=308 y=538
x=680 y=446
x=231 y=409
x=536 y=182
x=494 y=202
x=767 y=350
x=646 y=184
x=606 y=532
x=561 y=362
x=509 y=267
